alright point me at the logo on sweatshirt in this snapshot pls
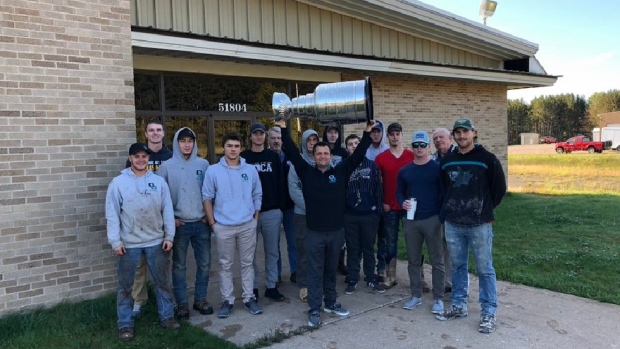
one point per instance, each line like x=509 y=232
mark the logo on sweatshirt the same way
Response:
x=459 y=177
x=152 y=186
x=332 y=179
x=200 y=174
x=245 y=177
x=263 y=166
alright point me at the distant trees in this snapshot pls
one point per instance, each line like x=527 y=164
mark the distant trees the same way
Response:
x=560 y=116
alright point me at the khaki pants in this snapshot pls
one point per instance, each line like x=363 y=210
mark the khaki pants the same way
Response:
x=139 y=292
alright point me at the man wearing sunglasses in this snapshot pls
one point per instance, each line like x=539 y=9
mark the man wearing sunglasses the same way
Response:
x=473 y=184
x=420 y=181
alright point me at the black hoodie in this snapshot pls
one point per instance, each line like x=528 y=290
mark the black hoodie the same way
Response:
x=325 y=193
x=338 y=149
x=472 y=185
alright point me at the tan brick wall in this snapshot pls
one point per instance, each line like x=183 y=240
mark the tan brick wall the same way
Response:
x=426 y=104
x=67 y=116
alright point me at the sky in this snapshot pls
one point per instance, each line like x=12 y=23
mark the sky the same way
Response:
x=577 y=39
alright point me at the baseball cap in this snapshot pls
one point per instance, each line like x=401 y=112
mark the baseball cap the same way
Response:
x=186 y=132
x=463 y=123
x=258 y=127
x=395 y=126
x=138 y=147
x=378 y=125
x=332 y=126
x=420 y=137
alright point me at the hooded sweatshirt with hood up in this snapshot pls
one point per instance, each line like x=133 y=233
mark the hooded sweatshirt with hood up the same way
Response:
x=338 y=152
x=373 y=151
x=185 y=178
x=138 y=210
x=294 y=184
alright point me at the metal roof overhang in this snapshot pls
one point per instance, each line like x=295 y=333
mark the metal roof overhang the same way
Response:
x=186 y=47
x=428 y=22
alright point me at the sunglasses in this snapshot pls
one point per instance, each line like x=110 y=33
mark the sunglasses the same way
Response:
x=418 y=145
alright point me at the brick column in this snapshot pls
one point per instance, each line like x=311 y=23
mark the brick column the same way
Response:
x=67 y=117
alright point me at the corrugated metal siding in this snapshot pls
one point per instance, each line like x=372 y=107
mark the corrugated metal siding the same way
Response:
x=287 y=22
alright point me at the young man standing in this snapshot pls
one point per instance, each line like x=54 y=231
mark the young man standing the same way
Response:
x=185 y=174
x=288 y=214
x=361 y=219
x=442 y=140
x=420 y=180
x=325 y=192
x=158 y=153
x=231 y=195
x=267 y=163
x=379 y=141
x=308 y=139
x=140 y=222
x=331 y=136
x=390 y=162
x=473 y=184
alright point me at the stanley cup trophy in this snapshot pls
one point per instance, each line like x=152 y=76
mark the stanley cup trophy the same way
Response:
x=348 y=102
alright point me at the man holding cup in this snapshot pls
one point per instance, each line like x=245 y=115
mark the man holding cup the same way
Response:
x=419 y=193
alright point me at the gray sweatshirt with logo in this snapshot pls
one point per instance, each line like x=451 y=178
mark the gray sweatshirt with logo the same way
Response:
x=185 y=178
x=138 y=210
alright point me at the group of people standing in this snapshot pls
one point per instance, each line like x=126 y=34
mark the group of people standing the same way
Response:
x=323 y=196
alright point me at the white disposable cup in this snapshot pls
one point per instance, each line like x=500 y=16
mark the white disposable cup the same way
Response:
x=411 y=211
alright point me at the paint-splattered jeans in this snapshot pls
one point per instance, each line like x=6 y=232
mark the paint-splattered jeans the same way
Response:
x=480 y=239
x=157 y=262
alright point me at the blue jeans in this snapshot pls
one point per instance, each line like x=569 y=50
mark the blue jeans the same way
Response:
x=291 y=247
x=199 y=236
x=157 y=262
x=391 y=222
x=480 y=239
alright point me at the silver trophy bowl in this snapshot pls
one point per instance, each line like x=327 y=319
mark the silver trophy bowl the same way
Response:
x=348 y=102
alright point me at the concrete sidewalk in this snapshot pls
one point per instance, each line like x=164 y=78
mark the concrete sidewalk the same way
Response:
x=527 y=318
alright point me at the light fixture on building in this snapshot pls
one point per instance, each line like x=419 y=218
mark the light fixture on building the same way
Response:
x=487 y=9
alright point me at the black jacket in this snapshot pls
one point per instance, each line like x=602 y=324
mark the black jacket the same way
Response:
x=325 y=193
x=338 y=150
x=472 y=185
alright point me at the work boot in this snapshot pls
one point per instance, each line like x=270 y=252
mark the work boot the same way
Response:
x=390 y=278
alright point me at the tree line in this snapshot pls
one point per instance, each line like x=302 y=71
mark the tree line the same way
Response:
x=560 y=116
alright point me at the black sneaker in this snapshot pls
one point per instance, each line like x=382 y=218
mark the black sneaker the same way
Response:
x=125 y=333
x=487 y=323
x=314 y=319
x=183 y=311
x=452 y=313
x=203 y=307
x=376 y=286
x=274 y=294
x=350 y=287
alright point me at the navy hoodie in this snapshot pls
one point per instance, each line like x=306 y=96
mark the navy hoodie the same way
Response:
x=338 y=151
x=325 y=193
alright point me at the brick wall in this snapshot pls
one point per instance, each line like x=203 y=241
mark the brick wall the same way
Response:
x=67 y=116
x=426 y=104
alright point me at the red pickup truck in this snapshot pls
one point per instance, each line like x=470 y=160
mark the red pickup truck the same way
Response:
x=583 y=143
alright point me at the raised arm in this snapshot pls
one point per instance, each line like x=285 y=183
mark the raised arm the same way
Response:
x=358 y=155
x=290 y=149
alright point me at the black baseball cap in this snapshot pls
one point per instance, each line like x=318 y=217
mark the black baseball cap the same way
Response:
x=395 y=126
x=138 y=147
x=258 y=127
x=186 y=132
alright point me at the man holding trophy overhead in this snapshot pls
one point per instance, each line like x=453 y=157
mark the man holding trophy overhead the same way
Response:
x=325 y=186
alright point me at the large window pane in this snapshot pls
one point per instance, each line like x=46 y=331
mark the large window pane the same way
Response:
x=222 y=94
x=146 y=91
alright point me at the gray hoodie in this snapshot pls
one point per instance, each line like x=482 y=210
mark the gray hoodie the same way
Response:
x=235 y=191
x=185 y=178
x=294 y=184
x=138 y=210
x=373 y=151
